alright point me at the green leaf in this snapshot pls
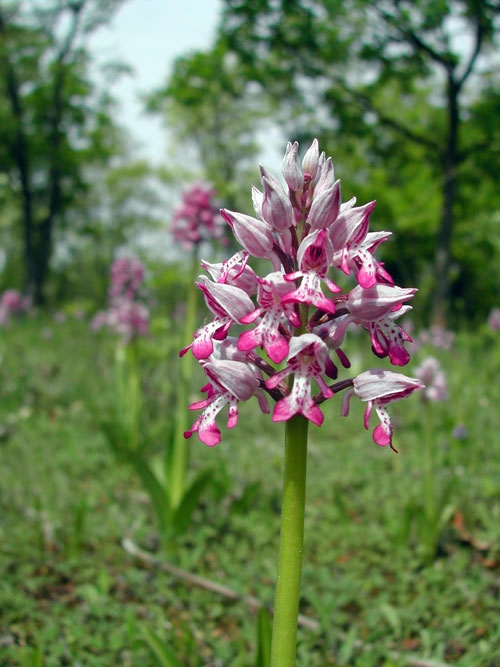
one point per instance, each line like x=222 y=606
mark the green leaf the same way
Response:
x=348 y=645
x=136 y=459
x=392 y=616
x=182 y=515
x=163 y=654
x=33 y=657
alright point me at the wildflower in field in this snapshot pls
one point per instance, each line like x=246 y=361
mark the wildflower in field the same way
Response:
x=197 y=217
x=460 y=432
x=126 y=276
x=290 y=325
x=12 y=304
x=125 y=315
x=434 y=379
x=437 y=337
x=494 y=319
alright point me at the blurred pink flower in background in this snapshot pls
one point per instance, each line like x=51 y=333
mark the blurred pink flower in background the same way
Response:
x=12 y=303
x=437 y=337
x=197 y=218
x=127 y=274
x=125 y=315
x=433 y=377
x=494 y=319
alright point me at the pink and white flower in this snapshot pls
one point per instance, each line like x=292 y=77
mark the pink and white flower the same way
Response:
x=229 y=383
x=378 y=387
x=197 y=218
x=307 y=234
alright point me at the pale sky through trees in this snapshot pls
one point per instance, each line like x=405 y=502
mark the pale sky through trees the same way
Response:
x=149 y=35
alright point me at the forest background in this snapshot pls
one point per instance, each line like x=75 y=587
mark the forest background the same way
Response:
x=402 y=554
x=404 y=95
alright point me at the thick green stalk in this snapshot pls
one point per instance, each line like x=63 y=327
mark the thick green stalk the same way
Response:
x=178 y=457
x=286 y=602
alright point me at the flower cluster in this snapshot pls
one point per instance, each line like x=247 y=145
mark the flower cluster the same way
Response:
x=125 y=315
x=306 y=233
x=197 y=218
x=12 y=304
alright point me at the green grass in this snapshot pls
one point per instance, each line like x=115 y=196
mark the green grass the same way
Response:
x=69 y=591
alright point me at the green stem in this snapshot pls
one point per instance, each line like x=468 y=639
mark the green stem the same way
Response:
x=134 y=393
x=430 y=499
x=286 y=602
x=178 y=457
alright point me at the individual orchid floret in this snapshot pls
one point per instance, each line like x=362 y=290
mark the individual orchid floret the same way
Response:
x=234 y=271
x=376 y=308
x=292 y=172
x=310 y=161
x=276 y=206
x=274 y=315
x=227 y=350
x=229 y=304
x=325 y=177
x=308 y=360
x=389 y=338
x=229 y=382
x=378 y=387
x=377 y=301
x=276 y=209
x=353 y=247
x=314 y=258
x=324 y=208
x=256 y=236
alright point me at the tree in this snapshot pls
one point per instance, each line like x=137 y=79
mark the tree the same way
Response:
x=54 y=124
x=397 y=79
x=214 y=117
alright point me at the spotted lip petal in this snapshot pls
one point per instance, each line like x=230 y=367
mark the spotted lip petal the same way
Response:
x=308 y=360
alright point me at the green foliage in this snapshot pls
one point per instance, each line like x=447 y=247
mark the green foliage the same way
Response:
x=70 y=592
x=55 y=126
x=215 y=117
x=407 y=111
x=163 y=655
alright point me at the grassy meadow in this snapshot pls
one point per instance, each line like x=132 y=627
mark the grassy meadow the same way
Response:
x=402 y=551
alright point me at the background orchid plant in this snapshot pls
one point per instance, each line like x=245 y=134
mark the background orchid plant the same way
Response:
x=305 y=232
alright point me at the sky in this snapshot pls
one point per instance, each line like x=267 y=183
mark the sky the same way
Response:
x=149 y=35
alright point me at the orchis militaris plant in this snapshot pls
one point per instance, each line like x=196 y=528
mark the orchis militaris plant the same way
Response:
x=297 y=333
x=128 y=317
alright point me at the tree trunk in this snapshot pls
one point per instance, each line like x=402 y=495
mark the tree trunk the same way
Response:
x=442 y=257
